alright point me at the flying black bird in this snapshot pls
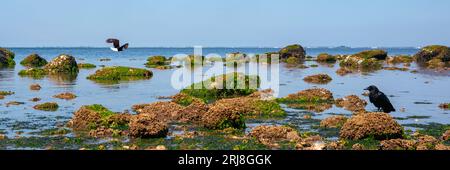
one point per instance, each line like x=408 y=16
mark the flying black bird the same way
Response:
x=380 y=100
x=116 y=44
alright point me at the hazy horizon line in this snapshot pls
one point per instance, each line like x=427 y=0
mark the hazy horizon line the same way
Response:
x=342 y=46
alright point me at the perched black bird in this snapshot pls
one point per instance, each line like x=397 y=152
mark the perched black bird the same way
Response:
x=116 y=44
x=380 y=100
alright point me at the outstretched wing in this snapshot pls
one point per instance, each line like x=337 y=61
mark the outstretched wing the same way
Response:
x=125 y=46
x=385 y=103
x=115 y=42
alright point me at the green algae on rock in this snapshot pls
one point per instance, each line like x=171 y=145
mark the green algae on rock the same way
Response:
x=158 y=62
x=49 y=106
x=184 y=99
x=62 y=64
x=357 y=62
x=120 y=73
x=365 y=60
x=91 y=117
x=33 y=72
x=433 y=52
x=318 y=79
x=86 y=66
x=6 y=93
x=33 y=60
x=294 y=50
x=223 y=86
x=6 y=58
x=433 y=57
x=377 y=54
x=326 y=58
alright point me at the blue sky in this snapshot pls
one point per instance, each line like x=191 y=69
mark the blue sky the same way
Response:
x=230 y=23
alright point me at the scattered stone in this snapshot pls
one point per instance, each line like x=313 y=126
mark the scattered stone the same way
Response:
x=102 y=132
x=377 y=54
x=343 y=71
x=313 y=107
x=119 y=73
x=62 y=64
x=86 y=66
x=315 y=95
x=333 y=121
x=442 y=147
x=6 y=93
x=35 y=87
x=444 y=106
x=318 y=79
x=95 y=116
x=352 y=103
x=49 y=106
x=36 y=99
x=446 y=135
x=164 y=111
x=159 y=147
x=398 y=144
x=395 y=68
x=295 y=50
x=356 y=62
x=33 y=72
x=158 y=62
x=399 y=59
x=14 y=103
x=434 y=56
x=337 y=145
x=65 y=96
x=33 y=60
x=6 y=58
x=184 y=99
x=426 y=142
x=357 y=147
x=147 y=126
x=311 y=143
x=271 y=135
x=375 y=124
x=326 y=58
x=366 y=60
x=221 y=116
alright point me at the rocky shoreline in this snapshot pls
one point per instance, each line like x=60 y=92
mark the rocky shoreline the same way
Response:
x=225 y=112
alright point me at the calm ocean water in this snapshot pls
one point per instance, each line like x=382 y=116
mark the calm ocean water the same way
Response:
x=404 y=88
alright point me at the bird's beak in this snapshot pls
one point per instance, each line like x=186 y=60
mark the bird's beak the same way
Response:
x=366 y=89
